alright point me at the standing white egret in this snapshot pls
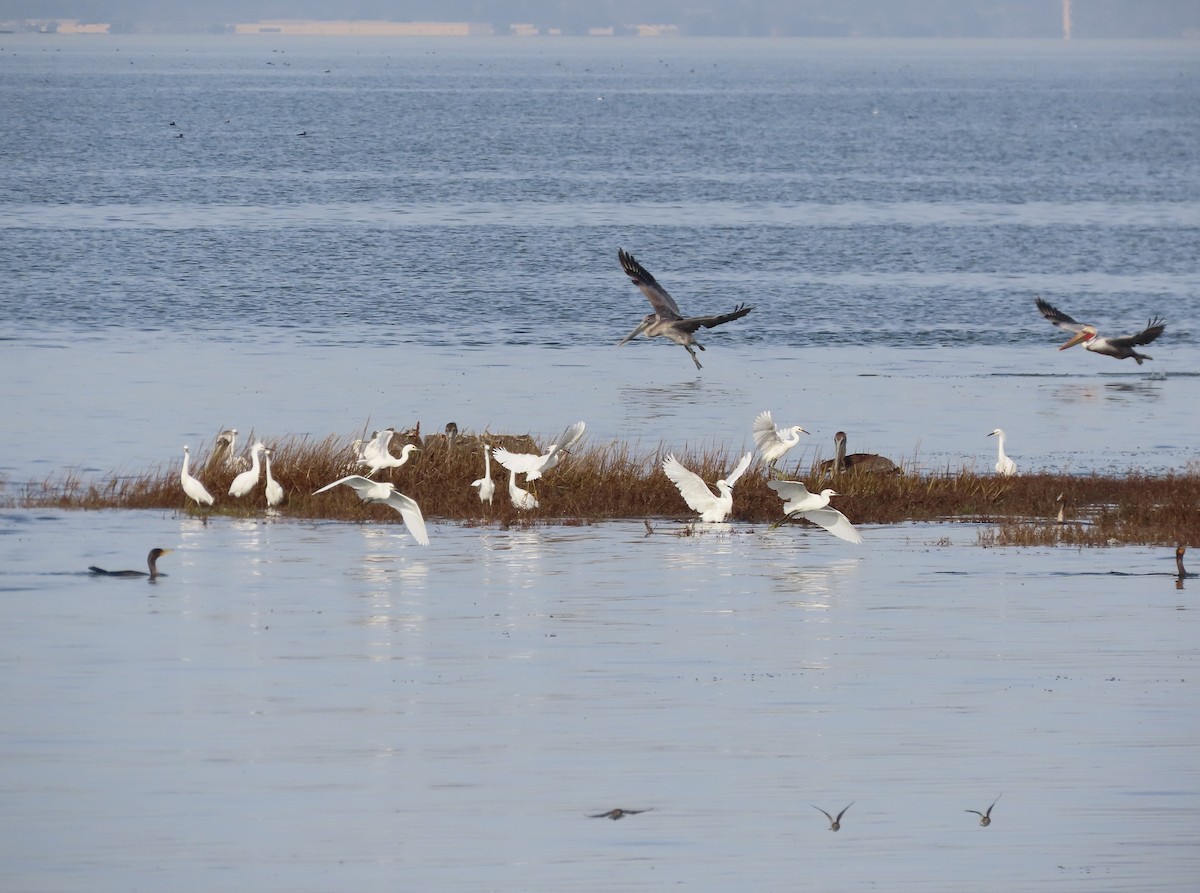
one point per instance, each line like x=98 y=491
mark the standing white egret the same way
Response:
x=773 y=442
x=1120 y=347
x=1004 y=464
x=534 y=466
x=385 y=492
x=797 y=500
x=273 y=490
x=522 y=499
x=487 y=487
x=712 y=508
x=667 y=320
x=246 y=481
x=191 y=486
x=376 y=454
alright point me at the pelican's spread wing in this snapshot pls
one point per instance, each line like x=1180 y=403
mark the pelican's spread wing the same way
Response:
x=835 y=522
x=691 y=486
x=357 y=481
x=521 y=463
x=662 y=302
x=732 y=477
x=1057 y=317
x=707 y=322
x=1154 y=328
x=765 y=433
x=411 y=513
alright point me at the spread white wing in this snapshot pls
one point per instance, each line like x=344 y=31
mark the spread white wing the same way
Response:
x=411 y=513
x=691 y=486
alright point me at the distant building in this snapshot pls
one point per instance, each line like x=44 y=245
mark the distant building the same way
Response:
x=378 y=28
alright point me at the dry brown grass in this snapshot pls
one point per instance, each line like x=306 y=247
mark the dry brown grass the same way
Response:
x=610 y=481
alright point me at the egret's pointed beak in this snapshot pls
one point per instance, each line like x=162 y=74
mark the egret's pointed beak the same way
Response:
x=641 y=328
x=1078 y=339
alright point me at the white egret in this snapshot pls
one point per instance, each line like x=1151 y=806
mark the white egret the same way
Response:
x=273 y=490
x=667 y=320
x=534 y=466
x=773 y=442
x=871 y=463
x=246 y=481
x=1004 y=465
x=384 y=492
x=696 y=493
x=376 y=454
x=834 y=824
x=192 y=487
x=797 y=500
x=522 y=499
x=1121 y=347
x=487 y=487
x=151 y=561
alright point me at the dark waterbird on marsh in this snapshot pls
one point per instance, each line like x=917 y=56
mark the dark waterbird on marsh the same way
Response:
x=870 y=463
x=1120 y=347
x=834 y=824
x=985 y=818
x=615 y=814
x=667 y=320
x=151 y=562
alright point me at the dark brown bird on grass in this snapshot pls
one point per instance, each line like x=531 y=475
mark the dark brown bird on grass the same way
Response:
x=985 y=818
x=869 y=463
x=615 y=814
x=1179 y=550
x=834 y=824
x=151 y=561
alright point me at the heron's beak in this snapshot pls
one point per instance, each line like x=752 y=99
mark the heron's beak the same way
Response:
x=641 y=328
x=1078 y=339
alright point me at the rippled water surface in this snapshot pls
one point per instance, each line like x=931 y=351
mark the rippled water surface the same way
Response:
x=305 y=239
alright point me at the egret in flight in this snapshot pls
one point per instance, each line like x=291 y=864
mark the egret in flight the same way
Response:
x=534 y=466
x=773 y=442
x=712 y=508
x=797 y=500
x=667 y=320
x=376 y=455
x=273 y=490
x=192 y=487
x=151 y=562
x=1121 y=347
x=1004 y=464
x=521 y=499
x=245 y=482
x=384 y=492
x=487 y=487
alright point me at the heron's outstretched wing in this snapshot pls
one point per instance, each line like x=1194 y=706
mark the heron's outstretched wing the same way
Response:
x=732 y=477
x=765 y=433
x=411 y=513
x=662 y=302
x=691 y=486
x=1154 y=328
x=835 y=522
x=521 y=463
x=794 y=495
x=357 y=481
x=571 y=436
x=1057 y=317
x=707 y=322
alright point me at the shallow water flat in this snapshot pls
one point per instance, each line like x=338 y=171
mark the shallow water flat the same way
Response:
x=321 y=705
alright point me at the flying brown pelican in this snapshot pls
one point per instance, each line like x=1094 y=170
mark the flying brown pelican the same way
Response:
x=696 y=494
x=773 y=442
x=1004 y=464
x=192 y=487
x=834 y=824
x=1121 y=348
x=814 y=507
x=985 y=818
x=151 y=561
x=870 y=463
x=615 y=814
x=382 y=491
x=667 y=320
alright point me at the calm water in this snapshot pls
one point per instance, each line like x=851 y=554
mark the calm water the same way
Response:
x=324 y=706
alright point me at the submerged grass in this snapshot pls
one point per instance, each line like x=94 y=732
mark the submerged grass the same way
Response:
x=611 y=481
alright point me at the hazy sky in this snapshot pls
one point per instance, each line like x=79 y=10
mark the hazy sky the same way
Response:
x=1011 y=18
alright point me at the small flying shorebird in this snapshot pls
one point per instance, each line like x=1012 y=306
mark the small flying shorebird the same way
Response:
x=834 y=824
x=615 y=814
x=985 y=818
x=1121 y=347
x=667 y=320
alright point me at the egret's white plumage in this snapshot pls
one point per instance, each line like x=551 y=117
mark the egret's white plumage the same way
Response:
x=273 y=490
x=773 y=442
x=376 y=455
x=797 y=500
x=534 y=466
x=385 y=492
x=522 y=499
x=245 y=482
x=487 y=487
x=1004 y=464
x=712 y=508
x=192 y=487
